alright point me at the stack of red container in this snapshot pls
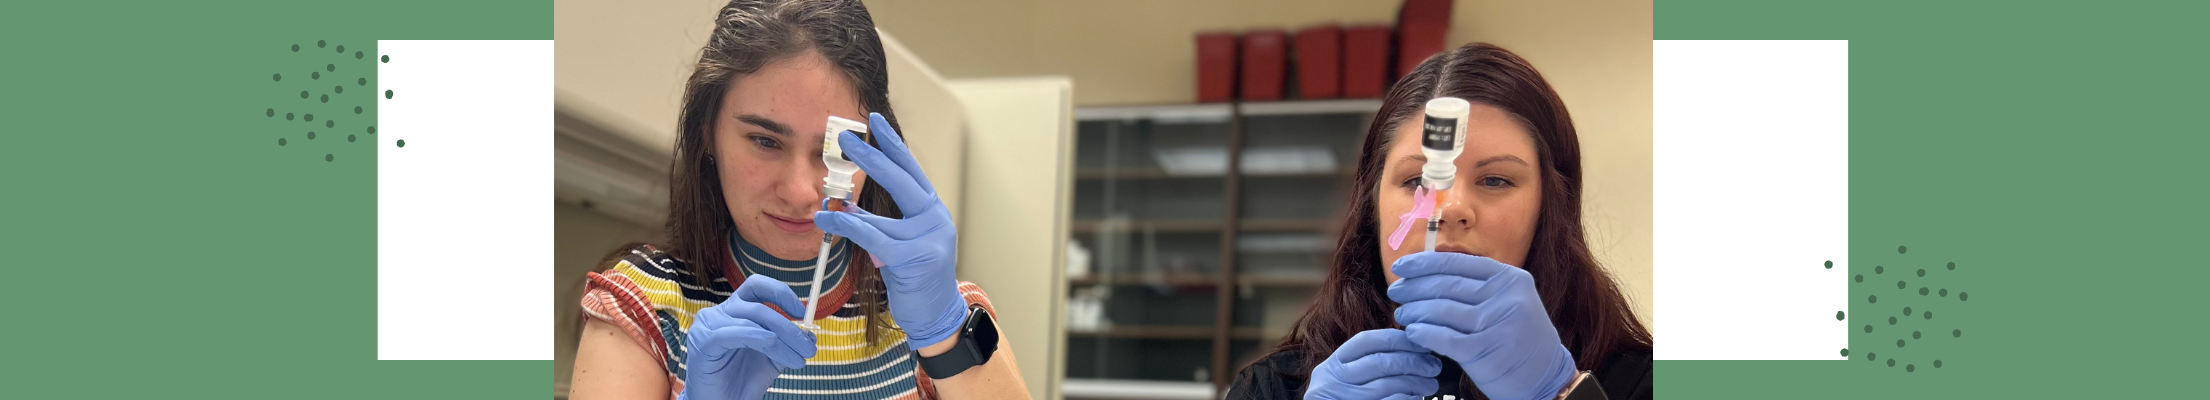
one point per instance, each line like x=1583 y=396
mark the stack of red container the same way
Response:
x=1327 y=61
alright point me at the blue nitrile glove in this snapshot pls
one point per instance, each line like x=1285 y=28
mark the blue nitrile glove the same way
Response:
x=1486 y=316
x=917 y=252
x=739 y=346
x=1375 y=364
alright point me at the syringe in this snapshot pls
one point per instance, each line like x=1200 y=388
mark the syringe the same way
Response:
x=1442 y=139
x=836 y=191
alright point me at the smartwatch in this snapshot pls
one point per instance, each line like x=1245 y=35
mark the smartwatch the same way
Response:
x=978 y=339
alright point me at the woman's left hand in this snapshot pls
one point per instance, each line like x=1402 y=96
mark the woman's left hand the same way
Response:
x=1486 y=316
x=916 y=252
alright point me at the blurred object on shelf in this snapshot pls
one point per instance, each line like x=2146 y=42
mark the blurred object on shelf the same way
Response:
x=1078 y=260
x=1265 y=59
x=1216 y=69
x=1320 y=62
x=1422 y=28
x=1365 y=61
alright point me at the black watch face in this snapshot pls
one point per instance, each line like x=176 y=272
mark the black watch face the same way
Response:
x=985 y=332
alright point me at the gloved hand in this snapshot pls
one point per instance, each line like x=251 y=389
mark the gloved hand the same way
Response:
x=739 y=346
x=1487 y=317
x=1375 y=364
x=916 y=253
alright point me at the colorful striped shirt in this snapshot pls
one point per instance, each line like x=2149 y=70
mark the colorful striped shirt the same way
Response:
x=652 y=296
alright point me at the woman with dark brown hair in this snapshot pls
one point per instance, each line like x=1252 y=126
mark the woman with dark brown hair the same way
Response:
x=711 y=314
x=1511 y=305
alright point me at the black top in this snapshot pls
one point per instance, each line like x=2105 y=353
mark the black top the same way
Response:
x=1625 y=375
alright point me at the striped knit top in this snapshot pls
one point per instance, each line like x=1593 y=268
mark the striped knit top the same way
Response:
x=652 y=297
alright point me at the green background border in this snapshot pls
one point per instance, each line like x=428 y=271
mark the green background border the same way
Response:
x=161 y=244
x=2051 y=149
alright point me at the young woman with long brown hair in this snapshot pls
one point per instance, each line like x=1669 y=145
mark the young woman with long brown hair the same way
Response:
x=1511 y=305
x=710 y=315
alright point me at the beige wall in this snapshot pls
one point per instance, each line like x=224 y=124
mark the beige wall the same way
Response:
x=1596 y=53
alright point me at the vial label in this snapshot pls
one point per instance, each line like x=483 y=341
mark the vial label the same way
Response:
x=1440 y=134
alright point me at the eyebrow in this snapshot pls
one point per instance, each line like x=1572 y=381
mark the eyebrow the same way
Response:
x=1422 y=159
x=764 y=123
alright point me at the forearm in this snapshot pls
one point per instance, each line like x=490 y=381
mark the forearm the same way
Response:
x=998 y=379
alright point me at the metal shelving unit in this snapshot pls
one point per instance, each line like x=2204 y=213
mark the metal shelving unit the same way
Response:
x=1207 y=228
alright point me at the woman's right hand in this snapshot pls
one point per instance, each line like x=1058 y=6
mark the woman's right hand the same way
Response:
x=1376 y=364
x=739 y=346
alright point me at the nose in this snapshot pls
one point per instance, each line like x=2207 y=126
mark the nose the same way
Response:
x=803 y=185
x=1456 y=209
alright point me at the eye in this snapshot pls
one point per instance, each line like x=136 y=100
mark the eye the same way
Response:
x=765 y=142
x=1411 y=182
x=1495 y=182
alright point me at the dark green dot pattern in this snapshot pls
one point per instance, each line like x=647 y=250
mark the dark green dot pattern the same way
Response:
x=337 y=91
x=1899 y=284
x=387 y=59
x=402 y=143
x=1925 y=288
x=1952 y=267
x=1921 y=272
x=1860 y=278
x=1906 y=311
x=1891 y=320
x=1901 y=249
x=387 y=93
x=1872 y=356
x=1876 y=270
x=1937 y=363
x=1868 y=328
x=1845 y=352
x=1829 y=265
x=1838 y=315
x=1872 y=299
x=1910 y=368
x=1929 y=315
x=1944 y=292
x=1956 y=333
x=340 y=89
x=1960 y=296
x=1922 y=291
x=1891 y=362
x=1914 y=334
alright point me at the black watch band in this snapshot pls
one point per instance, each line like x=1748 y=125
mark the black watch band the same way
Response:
x=978 y=340
x=1588 y=389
